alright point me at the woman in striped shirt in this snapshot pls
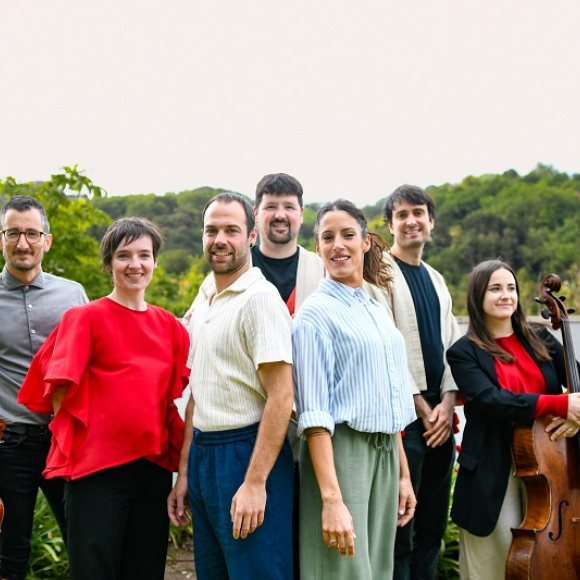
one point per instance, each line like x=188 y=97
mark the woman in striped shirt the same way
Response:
x=353 y=396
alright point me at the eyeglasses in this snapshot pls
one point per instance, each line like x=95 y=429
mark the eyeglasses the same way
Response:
x=32 y=236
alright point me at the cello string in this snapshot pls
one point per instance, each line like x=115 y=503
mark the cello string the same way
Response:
x=574 y=378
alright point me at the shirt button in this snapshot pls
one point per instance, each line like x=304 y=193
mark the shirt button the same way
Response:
x=33 y=331
x=30 y=306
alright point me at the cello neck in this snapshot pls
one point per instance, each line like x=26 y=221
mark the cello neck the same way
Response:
x=572 y=375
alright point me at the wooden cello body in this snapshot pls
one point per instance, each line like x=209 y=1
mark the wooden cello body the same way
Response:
x=547 y=544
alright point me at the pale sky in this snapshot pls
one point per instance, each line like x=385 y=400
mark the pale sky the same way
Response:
x=351 y=97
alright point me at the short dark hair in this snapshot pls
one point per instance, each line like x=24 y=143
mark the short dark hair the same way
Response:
x=278 y=184
x=127 y=230
x=21 y=203
x=229 y=197
x=411 y=194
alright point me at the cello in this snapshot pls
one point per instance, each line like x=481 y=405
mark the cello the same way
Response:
x=547 y=544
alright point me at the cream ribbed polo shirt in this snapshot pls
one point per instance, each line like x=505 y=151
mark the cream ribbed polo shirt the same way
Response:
x=232 y=333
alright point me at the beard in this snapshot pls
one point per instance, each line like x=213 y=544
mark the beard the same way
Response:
x=234 y=263
x=279 y=237
x=21 y=260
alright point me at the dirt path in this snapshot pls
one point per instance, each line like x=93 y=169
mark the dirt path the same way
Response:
x=180 y=563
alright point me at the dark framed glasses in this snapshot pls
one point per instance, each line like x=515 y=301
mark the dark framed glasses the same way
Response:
x=32 y=236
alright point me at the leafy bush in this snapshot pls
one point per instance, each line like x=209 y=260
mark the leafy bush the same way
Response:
x=180 y=536
x=449 y=555
x=48 y=559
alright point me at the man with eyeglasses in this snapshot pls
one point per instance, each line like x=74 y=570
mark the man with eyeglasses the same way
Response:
x=31 y=304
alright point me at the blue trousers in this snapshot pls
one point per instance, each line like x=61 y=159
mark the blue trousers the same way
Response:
x=22 y=460
x=418 y=543
x=218 y=462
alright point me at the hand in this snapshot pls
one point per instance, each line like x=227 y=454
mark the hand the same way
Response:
x=423 y=410
x=338 y=527
x=574 y=407
x=247 y=510
x=562 y=429
x=439 y=425
x=177 y=504
x=407 y=502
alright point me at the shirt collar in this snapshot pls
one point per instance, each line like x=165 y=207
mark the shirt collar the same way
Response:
x=240 y=285
x=343 y=292
x=12 y=282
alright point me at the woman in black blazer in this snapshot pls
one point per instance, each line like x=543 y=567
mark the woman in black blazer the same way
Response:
x=509 y=372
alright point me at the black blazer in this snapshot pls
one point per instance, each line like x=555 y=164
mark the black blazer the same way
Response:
x=491 y=412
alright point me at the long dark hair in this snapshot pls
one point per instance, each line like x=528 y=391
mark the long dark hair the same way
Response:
x=477 y=330
x=376 y=270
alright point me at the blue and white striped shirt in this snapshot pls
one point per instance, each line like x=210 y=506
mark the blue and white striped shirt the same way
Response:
x=350 y=364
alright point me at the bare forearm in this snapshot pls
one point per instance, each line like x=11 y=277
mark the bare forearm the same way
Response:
x=274 y=422
x=407 y=500
x=322 y=457
x=187 y=437
x=422 y=408
x=449 y=399
x=57 y=397
x=337 y=523
x=177 y=500
x=403 y=463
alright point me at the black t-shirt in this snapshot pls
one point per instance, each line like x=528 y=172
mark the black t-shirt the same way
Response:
x=428 y=313
x=280 y=272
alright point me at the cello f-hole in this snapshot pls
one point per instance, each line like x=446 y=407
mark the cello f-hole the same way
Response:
x=563 y=504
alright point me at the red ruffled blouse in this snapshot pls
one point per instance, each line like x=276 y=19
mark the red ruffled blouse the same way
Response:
x=124 y=369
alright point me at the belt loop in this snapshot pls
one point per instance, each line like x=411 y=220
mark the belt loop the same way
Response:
x=40 y=432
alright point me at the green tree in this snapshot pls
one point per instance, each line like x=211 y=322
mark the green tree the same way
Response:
x=67 y=197
x=531 y=222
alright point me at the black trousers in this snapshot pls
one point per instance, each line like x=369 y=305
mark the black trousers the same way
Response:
x=22 y=460
x=117 y=523
x=418 y=543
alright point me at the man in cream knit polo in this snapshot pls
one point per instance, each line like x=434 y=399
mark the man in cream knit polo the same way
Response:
x=294 y=270
x=236 y=465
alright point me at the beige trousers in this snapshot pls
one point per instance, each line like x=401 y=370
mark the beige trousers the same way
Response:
x=485 y=558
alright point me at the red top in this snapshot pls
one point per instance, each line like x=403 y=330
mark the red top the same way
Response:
x=524 y=376
x=124 y=369
x=291 y=303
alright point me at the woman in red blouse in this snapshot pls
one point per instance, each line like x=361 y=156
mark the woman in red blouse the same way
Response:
x=509 y=372
x=111 y=371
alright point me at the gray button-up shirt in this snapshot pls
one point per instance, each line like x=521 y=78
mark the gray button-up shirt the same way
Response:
x=28 y=313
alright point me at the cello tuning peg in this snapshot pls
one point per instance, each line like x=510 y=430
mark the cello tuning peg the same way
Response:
x=563 y=298
x=571 y=310
x=539 y=300
x=545 y=314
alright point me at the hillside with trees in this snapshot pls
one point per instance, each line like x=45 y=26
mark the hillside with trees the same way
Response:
x=531 y=221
